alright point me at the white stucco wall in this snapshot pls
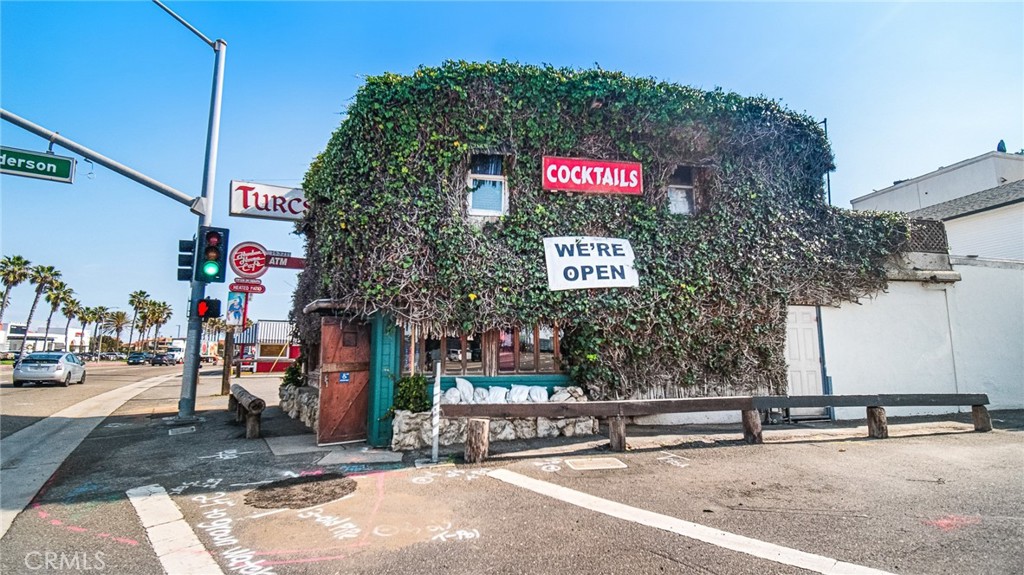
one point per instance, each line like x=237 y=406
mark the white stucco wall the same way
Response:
x=966 y=337
x=997 y=234
x=896 y=342
x=987 y=311
x=963 y=337
x=963 y=178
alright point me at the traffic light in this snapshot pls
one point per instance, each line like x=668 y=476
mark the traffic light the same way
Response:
x=208 y=308
x=186 y=259
x=211 y=255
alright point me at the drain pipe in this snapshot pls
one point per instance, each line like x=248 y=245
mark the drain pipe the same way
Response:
x=952 y=347
x=435 y=412
x=826 y=381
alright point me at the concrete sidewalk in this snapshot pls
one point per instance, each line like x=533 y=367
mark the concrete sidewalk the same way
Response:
x=283 y=435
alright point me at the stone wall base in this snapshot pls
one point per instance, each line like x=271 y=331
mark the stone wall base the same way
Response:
x=302 y=403
x=413 y=430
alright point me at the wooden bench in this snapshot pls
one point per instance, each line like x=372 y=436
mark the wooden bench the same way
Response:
x=248 y=408
x=616 y=412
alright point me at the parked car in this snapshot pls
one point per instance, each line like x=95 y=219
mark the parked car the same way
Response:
x=163 y=359
x=49 y=367
x=138 y=358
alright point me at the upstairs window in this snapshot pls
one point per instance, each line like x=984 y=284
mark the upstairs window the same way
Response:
x=488 y=190
x=681 y=197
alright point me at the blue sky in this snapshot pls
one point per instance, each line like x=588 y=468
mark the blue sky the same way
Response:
x=906 y=88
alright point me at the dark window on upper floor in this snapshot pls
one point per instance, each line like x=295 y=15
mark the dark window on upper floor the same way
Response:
x=682 y=191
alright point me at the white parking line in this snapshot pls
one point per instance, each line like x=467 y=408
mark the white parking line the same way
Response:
x=176 y=545
x=724 y=539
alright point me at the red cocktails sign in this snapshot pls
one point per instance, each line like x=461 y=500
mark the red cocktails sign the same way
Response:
x=593 y=176
x=248 y=259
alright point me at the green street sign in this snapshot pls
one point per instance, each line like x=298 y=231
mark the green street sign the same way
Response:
x=39 y=165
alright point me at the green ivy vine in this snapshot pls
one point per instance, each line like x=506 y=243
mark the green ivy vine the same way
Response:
x=387 y=230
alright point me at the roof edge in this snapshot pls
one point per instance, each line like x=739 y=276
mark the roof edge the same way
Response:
x=940 y=171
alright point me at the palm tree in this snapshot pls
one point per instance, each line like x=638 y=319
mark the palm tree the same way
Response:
x=147 y=320
x=116 y=322
x=56 y=295
x=43 y=277
x=101 y=313
x=13 y=271
x=137 y=300
x=161 y=315
x=86 y=315
x=215 y=327
x=71 y=309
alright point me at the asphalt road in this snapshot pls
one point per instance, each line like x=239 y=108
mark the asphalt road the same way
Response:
x=23 y=406
x=939 y=500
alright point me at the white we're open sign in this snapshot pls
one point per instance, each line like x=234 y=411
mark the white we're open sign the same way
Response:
x=583 y=262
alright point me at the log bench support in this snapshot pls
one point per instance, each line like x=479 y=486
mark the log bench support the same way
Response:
x=878 y=426
x=617 y=433
x=752 y=426
x=247 y=408
x=477 y=439
x=982 y=420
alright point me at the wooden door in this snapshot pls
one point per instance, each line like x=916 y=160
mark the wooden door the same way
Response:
x=344 y=380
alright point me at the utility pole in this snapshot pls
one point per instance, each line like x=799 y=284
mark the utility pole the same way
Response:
x=194 y=331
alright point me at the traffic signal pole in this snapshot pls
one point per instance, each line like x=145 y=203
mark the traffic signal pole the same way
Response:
x=193 y=337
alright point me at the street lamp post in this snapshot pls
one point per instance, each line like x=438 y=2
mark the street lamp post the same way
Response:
x=193 y=334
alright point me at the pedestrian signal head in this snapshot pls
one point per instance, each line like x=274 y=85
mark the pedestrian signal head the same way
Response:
x=208 y=308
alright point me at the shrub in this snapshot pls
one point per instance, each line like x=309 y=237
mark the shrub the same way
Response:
x=411 y=394
x=293 y=375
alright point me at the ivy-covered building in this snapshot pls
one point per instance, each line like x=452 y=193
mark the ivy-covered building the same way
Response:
x=430 y=207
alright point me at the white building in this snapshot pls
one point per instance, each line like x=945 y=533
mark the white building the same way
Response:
x=986 y=224
x=989 y=170
x=11 y=335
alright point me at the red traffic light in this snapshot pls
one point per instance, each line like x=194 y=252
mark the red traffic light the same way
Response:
x=213 y=238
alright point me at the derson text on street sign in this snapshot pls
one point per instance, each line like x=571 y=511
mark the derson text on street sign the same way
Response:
x=40 y=165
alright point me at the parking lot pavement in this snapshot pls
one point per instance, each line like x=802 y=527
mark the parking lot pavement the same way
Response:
x=933 y=498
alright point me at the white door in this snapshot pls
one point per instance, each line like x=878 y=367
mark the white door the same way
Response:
x=803 y=357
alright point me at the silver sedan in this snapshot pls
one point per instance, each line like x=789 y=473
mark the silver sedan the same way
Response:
x=50 y=367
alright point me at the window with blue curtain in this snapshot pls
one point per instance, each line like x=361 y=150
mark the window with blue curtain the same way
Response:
x=487 y=186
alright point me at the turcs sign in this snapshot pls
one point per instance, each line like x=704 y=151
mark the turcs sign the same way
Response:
x=252 y=200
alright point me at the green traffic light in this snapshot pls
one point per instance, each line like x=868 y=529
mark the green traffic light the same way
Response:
x=211 y=268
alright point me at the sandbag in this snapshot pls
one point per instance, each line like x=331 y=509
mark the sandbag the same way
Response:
x=480 y=395
x=497 y=395
x=452 y=396
x=519 y=394
x=466 y=389
x=538 y=394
